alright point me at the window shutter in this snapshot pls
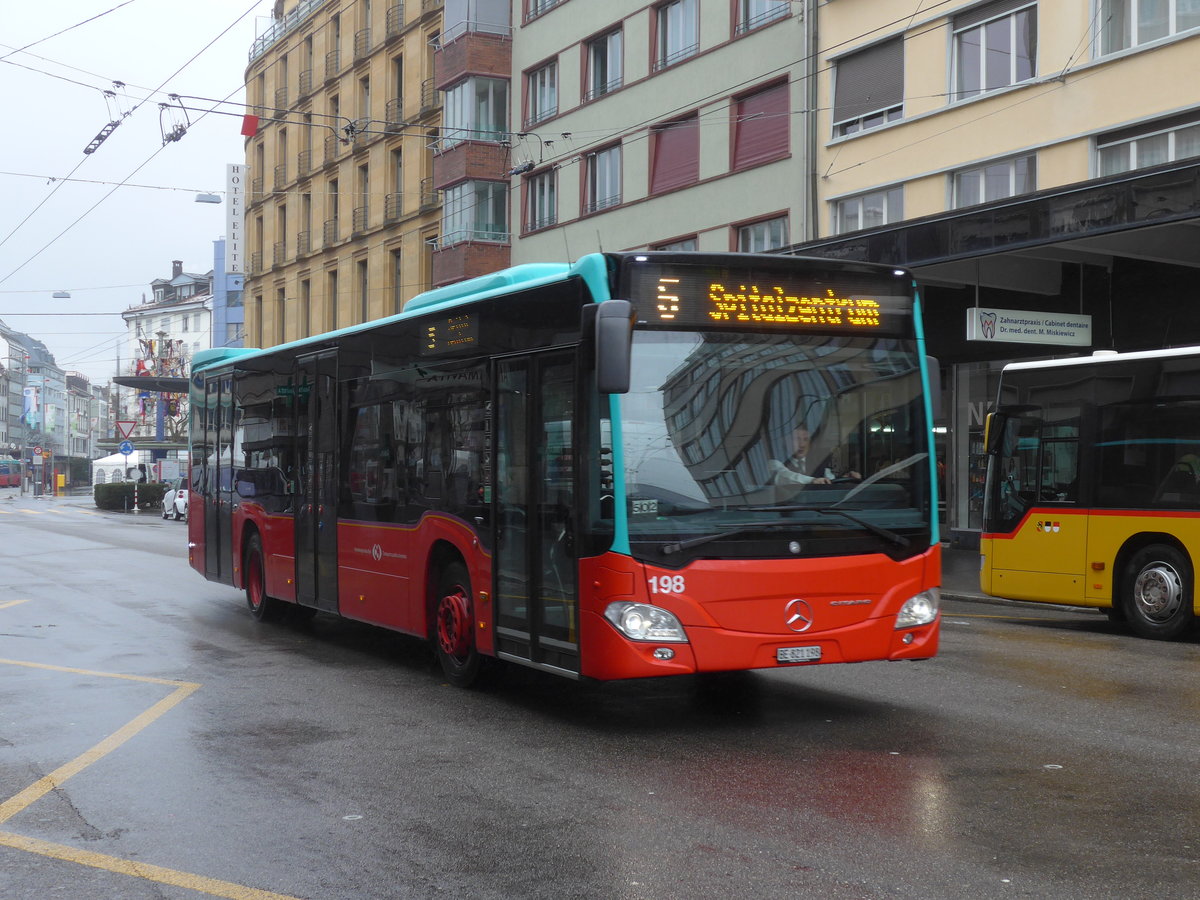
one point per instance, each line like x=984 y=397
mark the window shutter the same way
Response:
x=988 y=11
x=762 y=127
x=676 y=149
x=869 y=81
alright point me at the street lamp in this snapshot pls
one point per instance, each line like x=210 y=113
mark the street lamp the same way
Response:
x=61 y=295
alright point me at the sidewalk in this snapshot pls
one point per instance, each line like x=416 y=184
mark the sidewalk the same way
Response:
x=960 y=575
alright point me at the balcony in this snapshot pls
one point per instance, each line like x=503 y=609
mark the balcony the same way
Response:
x=429 y=196
x=281 y=175
x=303 y=163
x=333 y=148
x=281 y=26
x=471 y=161
x=303 y=243
x=256 y=189
x=281 y=98
x=333 y=64
x=430 y=97
x=329 y=234
x=279 y=253
x=306 y=83
x=474 y=48
x=362 y=44
x=467 y=260
x=430 y=6
x=358 y=221
x=393 y=207
x=254 y=264
x=394 y=114
x=395 y=19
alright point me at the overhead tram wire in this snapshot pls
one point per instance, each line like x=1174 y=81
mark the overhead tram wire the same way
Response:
x=65 y=30
x=147 y=161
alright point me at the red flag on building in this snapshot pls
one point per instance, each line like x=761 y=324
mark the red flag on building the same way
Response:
x=249 y=125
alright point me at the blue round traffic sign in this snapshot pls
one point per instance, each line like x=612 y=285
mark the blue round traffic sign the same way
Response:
x=125 y=447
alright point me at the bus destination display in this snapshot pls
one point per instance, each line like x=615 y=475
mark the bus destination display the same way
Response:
x=450 y=334
x=677 y=295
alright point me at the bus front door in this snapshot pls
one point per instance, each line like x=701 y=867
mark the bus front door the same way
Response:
x=536 y=608
x=217 y=497
x=315 y=505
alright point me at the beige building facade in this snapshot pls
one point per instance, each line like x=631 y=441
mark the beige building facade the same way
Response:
x=342 y=217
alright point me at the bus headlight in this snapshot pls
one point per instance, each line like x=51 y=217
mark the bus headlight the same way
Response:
x=919 y=610
x=643 y=622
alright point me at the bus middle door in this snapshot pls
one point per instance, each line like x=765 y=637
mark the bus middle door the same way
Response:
x=317 y=481
x=535 y=569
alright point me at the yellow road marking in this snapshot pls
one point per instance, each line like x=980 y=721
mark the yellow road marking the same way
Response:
x=212 y=886
x=22 y=800
x=14 y=603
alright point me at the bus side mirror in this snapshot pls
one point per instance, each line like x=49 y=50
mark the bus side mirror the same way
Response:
x=614 y=345
x=993 y=430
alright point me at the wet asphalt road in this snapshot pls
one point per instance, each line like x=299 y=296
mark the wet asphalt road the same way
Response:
x=156 y=742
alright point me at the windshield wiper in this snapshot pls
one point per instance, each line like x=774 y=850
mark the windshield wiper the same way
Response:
x=679 y=546
x=879 y=530
x=885 y=533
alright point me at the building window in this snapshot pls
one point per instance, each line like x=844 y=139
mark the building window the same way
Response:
x=674 y=154
x=475 y=211
x=760 y=237
x=475 y=110
x=541 y=100
x=1149 y=144
x=995 y=181
x=995 y=46
x=1129 y=23
x=305 y=323
x=541 y=200
x=603 y=179
x=753 y=14
x=604 y=70
x=687 y=244
x=760 y=127
x=537 y=7
x=364 y=292
x=397 y=281
x=678 y=32
x=868 y=210
x=869 y=88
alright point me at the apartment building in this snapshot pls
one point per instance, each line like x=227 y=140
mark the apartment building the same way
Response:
x=1027 y=159
x=675 y=125
x=342 y=218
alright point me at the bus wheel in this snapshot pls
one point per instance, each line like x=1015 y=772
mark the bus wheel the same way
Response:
x=254 y=575
x=453 y=635
x=1158 y=592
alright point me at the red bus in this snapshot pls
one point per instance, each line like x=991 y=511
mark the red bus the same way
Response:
x=641 y=464
x=10 y=474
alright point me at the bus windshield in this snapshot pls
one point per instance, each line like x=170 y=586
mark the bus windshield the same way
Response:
x=732 y=437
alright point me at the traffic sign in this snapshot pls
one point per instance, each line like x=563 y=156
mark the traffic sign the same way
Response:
x=125 y=428
x=125 y=447
x=37 y=451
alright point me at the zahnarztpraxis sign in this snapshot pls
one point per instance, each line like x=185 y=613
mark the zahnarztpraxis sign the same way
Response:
x=1024 y=326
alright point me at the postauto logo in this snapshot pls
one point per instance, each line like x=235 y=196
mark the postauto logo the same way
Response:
x=1048 y=527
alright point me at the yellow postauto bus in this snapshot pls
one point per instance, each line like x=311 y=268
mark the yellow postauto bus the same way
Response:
x=1093 y=487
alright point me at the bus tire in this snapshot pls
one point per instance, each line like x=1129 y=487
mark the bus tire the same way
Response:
x=254 y=576
x=1158 y=591
x=452 y=628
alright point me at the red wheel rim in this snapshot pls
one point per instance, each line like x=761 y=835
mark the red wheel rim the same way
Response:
x=453 y=624
x=255 y=582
